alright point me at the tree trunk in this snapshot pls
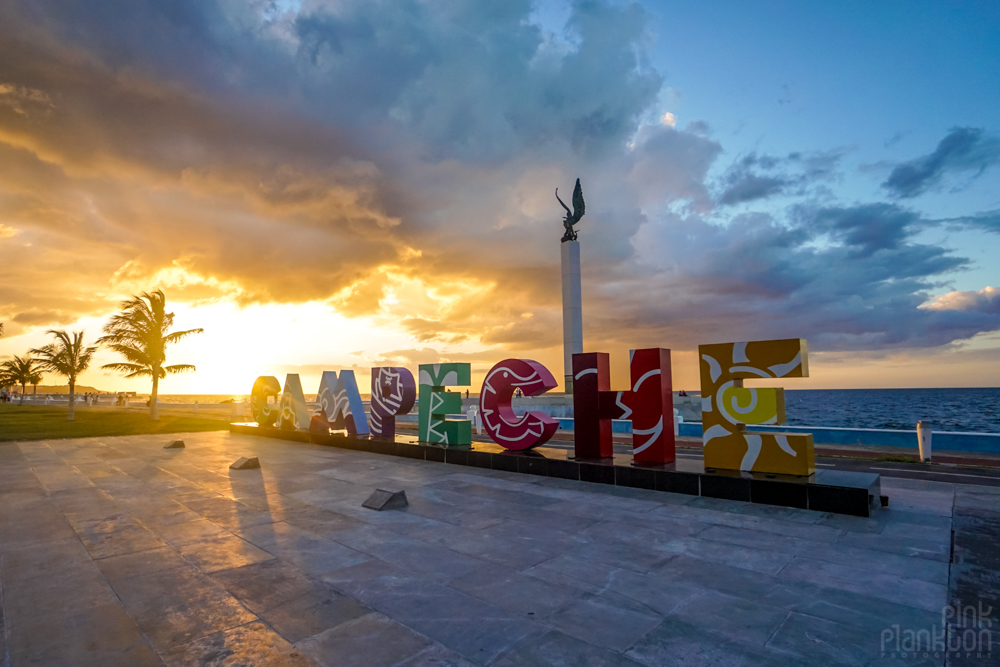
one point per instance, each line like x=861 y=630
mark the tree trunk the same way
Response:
x=24 y=386
x=72 y=400
x=154 y=410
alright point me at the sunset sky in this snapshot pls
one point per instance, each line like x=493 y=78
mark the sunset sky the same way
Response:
x=349 y=183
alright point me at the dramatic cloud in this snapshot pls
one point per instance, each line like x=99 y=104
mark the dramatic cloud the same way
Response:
x=987 y=221
x=34 y=317
x=845 y=278
x=22 y=100
x=669 y=165
x=865 y=229
x=749 y=187
x=756 y=177
x=964 y=149
x=986 y=300
x=188 y=139
x=396 y=161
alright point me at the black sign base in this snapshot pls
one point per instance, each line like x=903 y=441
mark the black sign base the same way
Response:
x=836 y=491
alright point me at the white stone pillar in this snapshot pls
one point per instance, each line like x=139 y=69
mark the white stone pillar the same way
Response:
x=572 y=308
x=924 y=441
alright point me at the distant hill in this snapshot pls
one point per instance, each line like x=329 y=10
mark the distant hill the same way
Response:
x=61 y=389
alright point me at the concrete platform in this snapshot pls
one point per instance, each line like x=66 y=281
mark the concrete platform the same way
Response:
x=114 y=551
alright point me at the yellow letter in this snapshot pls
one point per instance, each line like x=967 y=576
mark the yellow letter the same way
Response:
x=727 y=406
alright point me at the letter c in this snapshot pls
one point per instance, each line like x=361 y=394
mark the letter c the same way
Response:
x=265 y=413
x=506 y=428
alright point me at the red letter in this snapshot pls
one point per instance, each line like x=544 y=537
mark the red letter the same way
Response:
x=649 y=405
x=592 y=432
x=507 y=429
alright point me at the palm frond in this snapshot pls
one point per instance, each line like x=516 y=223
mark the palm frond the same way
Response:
x=129 y=370
x=133 y=354
x=180 y=368
x=178 y=335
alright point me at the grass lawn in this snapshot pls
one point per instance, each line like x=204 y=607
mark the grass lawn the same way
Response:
x=47 y=422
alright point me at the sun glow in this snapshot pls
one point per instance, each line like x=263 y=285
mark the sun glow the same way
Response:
x=240 y=344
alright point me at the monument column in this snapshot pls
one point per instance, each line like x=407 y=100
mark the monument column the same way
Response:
x=572 y=308
x=571 y=294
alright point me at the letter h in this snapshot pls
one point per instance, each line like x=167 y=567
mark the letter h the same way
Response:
x=649 y=405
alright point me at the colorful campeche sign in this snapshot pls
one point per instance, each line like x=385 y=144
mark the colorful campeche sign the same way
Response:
x=727 y=406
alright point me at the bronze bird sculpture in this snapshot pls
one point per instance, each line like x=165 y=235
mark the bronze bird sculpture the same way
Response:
x=573 y=217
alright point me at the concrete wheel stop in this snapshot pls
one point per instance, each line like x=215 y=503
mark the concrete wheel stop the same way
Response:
x=386 y=500
x=174 y=444
x=246 y=464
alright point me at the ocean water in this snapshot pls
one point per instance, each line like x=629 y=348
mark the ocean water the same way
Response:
x=209 y=398
x=975 y=410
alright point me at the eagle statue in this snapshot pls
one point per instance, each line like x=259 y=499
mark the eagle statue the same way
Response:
x=572 y=217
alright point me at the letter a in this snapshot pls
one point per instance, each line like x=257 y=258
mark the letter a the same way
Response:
x=340 y=405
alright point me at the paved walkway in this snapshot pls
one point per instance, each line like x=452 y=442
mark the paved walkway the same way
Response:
x=115 y=551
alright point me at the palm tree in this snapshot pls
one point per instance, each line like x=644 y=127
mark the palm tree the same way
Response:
x=6 y=382
x=66 y=357
x=139 y=333
x=33 y=380
x=20 y=370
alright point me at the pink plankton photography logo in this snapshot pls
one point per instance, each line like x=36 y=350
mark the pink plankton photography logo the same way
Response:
x=965 y=632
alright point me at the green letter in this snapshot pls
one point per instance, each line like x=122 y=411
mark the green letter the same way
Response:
x=435 y=403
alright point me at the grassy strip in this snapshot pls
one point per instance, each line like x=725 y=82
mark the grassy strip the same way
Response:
x=44 y=423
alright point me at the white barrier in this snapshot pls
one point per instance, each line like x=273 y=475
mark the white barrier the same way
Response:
x=472 y=414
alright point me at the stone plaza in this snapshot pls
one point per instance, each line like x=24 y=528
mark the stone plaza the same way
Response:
x=116 y=551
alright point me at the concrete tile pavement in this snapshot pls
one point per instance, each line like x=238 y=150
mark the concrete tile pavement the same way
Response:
x=115 y=551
